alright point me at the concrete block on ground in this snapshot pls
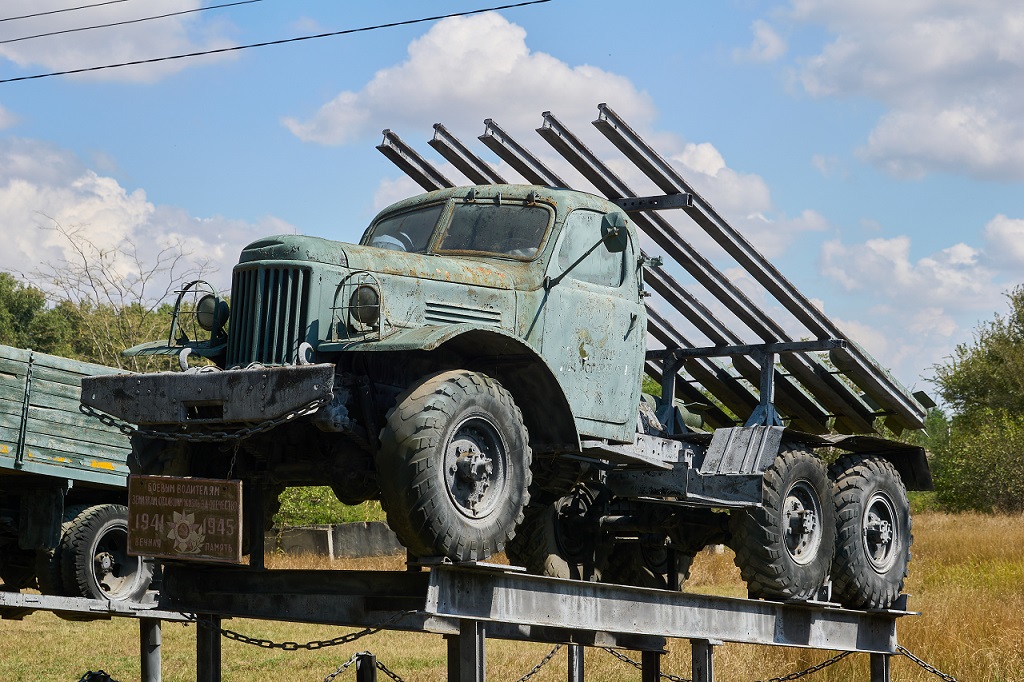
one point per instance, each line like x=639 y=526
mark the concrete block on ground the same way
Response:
x=343 y=540
x=363 y=539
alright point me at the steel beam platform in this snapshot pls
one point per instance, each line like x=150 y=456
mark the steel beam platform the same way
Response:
x=468 y=604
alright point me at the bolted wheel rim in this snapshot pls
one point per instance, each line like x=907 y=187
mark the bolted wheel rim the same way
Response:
x=476 y=467
x=801 y=519
x=115 y=572
x=880 y=532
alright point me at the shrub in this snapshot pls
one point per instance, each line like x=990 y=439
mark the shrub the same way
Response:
x=982 y=467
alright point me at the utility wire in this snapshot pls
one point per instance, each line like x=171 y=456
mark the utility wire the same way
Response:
x=154 y=60
x=58 y=11
x=128 y=21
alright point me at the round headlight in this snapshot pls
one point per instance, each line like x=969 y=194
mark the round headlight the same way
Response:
x=211 y=312
x=364 y=305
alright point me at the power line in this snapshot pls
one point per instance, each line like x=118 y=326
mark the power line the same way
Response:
x=154 y=60
x=66 y=9
x=128 y=21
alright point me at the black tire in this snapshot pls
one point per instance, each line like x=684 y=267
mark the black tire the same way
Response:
x=646 y=563
x=784 y=548
x=873 y=532
x=48 y=561
x=94 y=557
x=558 y=539
x=454 y=466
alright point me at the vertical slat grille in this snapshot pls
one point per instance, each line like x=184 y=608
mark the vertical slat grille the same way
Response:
x=268 y=320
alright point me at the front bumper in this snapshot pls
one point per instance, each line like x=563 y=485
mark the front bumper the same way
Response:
x=234 y=395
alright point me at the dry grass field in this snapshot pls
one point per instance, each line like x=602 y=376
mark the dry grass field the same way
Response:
x=967 y=579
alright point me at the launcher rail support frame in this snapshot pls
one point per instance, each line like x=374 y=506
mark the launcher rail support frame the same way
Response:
x=820 y=395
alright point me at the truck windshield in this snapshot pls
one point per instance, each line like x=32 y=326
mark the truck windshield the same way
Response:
x=512 y=230
x=409 y=231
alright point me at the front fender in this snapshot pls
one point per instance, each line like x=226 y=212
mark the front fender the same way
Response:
x=507 y=358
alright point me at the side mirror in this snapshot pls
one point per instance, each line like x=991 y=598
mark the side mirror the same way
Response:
x=614 y=233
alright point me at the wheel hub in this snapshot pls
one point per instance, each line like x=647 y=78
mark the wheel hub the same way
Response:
x=476 y=467
x=880 y=532
x=104 y=563
x=801 y=527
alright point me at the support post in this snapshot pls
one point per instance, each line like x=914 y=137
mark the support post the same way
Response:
x=150 y=639
x=256 y=538
x=650 y=666
x=702 y=657
x=575 y=662
x=208 y=649
x=880 y=668
x=366 y=667
x=466 y=654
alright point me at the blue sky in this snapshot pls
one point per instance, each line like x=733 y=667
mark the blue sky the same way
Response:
x=873 y=150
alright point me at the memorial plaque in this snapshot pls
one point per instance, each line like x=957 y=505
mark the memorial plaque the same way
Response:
x=191 y=519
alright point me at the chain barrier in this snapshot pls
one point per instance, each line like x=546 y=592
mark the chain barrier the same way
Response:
x=930 y=668
x=205 y=436
x=639 y=666
x=543 y=662
x=295 y=646
x=813 y=669
x=354 y=659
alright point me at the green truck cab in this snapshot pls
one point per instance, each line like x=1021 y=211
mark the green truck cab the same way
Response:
x=475 y=363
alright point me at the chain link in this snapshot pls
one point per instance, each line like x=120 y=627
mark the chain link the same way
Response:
x=344 y=666
x=813 y=669
x=639 y=666
x=296 y=646
x=205 y=436
x=543 y=662
x=930 y=668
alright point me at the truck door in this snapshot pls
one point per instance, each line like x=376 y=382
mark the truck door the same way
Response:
x=594 y=327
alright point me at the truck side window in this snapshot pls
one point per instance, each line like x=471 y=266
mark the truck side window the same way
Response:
x=582 y=231
x=409 y=231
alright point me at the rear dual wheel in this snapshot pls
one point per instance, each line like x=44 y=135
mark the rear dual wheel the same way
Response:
x=873 y=532
x=784 y=548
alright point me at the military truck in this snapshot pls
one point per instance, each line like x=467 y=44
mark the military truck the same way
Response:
x=63 y=519
x=475 y=363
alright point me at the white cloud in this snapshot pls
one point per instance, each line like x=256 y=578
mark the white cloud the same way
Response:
x=7 y=119
x=767 y=45
x=951 y=73
x=41 y=185
x=131 y=42
x=465 y=69
x=954 y=278
x=1004 y=242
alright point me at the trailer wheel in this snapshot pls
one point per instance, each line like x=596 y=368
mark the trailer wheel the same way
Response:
x=646 y=564
x=454 y=466
x=94 y=557
x=873 y=532
x=48 y=561
x=558 y=539
x=784 y=548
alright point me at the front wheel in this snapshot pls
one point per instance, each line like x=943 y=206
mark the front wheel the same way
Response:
x=873 y=535
x=454 y=466
x=784 y=548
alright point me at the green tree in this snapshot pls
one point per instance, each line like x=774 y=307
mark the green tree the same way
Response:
x=19 y=305
x=982 y=465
